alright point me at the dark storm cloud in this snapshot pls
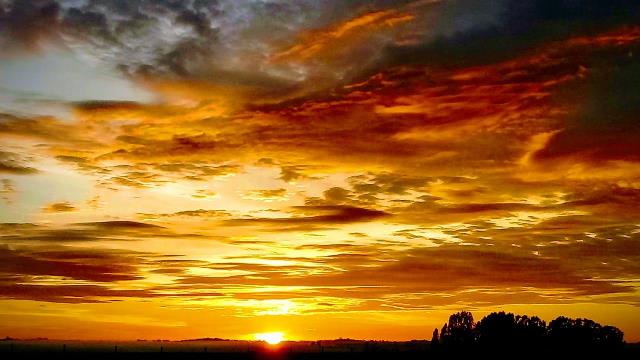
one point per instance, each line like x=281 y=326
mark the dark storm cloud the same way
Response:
x=165 y=40
x=455 y=31
x=606 y=126
x=112 y=27
x=509 y=28
x=25 y=24
x=196 y=48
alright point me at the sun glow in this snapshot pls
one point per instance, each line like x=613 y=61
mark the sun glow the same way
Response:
x=271 y=338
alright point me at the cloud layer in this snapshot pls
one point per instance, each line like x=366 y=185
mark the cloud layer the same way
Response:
x=336 y=157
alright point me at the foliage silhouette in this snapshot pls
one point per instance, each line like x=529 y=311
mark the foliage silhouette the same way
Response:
x=435 y=339
x=506 y=328
x=583 y=332
x=459 y=330
x=506 y=331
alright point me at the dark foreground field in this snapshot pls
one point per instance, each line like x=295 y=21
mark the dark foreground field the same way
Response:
x=243 y=350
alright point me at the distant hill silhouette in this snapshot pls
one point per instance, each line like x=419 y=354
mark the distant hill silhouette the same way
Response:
x=207 y=339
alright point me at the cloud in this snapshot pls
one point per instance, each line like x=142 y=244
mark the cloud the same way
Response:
x=72 y=294
x=291 y=173
x=204 y=194
x=12 y=163
x=59 y=207
x=22 y=234
x=146 y=174
x=7 y=191
x=426 y=118
x=336 y=194
x=494 y=31
x=175 y=147
x=46 y=129
x=427 y=274
x=316 y=216
x=197 y=47
x=120 y=224
x=431 y=154
x=268 y=195
x=187 y=49
x=202 y=213
x=328 y=42
x=389 y=183
x=76 y=264
x=604 y=128
x=28 y=24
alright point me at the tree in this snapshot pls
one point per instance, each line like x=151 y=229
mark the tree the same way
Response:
x=611 y=336
x=434 y=337
x=567 y=332
x=508 y=330
x=496 y=328
x=530 y=329
x=444 y=334
x=459 y=330
x=500 y=330
x=435 y=340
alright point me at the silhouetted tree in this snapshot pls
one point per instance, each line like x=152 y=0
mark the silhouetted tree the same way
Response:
x=564 y=330
x=435 y=341
x=506 y=331
x=530 y=330
x=496 y=328
x=611 y=336
x=459 y=331
x=568 y=332
x=509 y=330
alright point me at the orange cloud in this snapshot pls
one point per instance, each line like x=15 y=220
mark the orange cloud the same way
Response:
x=327 y=42
x=59 y=207
x=421 y=186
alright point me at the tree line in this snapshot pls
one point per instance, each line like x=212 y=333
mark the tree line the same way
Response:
x=506 y=330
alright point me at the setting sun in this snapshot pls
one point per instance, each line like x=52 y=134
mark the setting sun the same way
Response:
x=271 y=338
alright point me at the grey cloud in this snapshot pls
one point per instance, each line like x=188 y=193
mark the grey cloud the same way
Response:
x=25 y=24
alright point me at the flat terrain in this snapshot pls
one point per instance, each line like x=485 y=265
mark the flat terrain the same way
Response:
x=215 y=346
x=300 y=350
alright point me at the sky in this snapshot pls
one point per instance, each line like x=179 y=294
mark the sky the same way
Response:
x=182 y=169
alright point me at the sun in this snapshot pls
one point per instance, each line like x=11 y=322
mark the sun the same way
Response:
x=271 y=338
